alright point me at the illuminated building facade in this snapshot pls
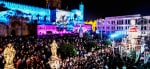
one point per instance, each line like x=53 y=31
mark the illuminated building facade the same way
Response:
x=3 y=29
x=53 y=29
x=31 y=12
x=93 y=23
x=121 y=24
x=44 y=16
x=64 y=22
x=64 y=17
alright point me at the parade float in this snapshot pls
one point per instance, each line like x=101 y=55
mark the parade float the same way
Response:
x=133 y=44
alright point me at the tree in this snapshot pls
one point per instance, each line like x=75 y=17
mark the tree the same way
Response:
x=131 y=62
x=89 y=45
x=107 y=42
x=133 y=54
x=67 y=50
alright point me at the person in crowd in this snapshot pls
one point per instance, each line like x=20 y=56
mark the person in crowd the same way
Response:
x=34 y=53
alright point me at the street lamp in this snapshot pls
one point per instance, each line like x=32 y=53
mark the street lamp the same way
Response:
x=99 y=23
x=113 y=43
x=113 y=46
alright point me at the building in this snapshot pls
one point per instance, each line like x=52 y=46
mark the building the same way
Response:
x=18 y=29
x=41 y=16
x=63 y=22
x=69 y=29
x=64 y=17
x=30 y=12
x=93 y=23
x=3 y=29
x=121 y=24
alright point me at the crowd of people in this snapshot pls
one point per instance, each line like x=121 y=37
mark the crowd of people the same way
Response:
x=34 y=53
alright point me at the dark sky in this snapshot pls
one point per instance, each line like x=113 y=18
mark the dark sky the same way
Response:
x=102 y=8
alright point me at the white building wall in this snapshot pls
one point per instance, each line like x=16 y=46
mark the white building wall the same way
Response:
x=122 y=23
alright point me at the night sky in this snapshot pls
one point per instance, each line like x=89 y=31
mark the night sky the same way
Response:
x=115 y=8
x=102 y=8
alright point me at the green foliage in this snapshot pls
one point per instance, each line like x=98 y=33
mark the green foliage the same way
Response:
x=133 y=54
x=90 y=45
x=67 y=50
x=107 y=42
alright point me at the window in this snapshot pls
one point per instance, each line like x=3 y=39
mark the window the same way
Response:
x=126 y=21
x=149 y=20
x=107 y=27
x=117 y=22
x=136 y=20
x=144 y=27
x=126 y=27
x=121 y=21
x=117 y=28
x=141 y=27
x=112 y=22
x=122 y=28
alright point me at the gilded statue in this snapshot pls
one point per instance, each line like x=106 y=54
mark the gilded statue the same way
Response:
x=54 y=48
x=54 y=59
x=9 y=54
